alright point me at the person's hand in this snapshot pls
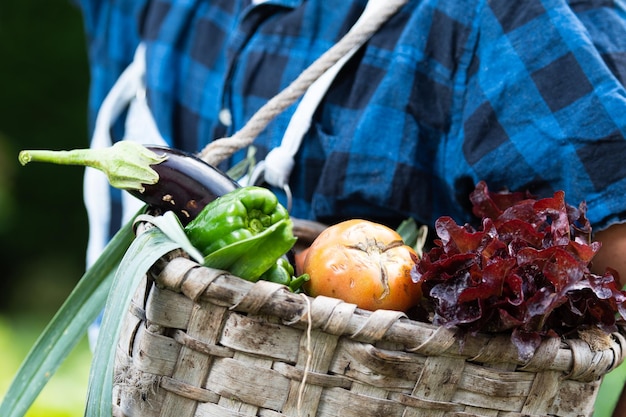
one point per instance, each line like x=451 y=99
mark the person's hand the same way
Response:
x=613 y=251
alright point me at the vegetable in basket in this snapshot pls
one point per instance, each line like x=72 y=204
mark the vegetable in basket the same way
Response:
x=282 y=272
x=526 y=271
x=244 y=232
x=163 y=178
x=364 y=263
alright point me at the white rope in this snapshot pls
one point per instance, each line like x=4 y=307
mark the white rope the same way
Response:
x=279 y=162
x=220 y=149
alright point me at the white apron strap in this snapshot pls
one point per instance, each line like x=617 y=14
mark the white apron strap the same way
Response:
x=128 y=92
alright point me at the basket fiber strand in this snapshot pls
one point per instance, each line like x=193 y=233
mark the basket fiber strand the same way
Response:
x=201 y=342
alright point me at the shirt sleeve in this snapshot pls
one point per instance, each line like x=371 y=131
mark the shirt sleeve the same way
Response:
x=544 y=108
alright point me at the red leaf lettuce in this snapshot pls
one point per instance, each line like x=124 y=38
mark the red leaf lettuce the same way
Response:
x=526 y=270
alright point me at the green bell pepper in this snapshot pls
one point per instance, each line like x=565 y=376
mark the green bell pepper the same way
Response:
x=244 y=232
x=282 y=272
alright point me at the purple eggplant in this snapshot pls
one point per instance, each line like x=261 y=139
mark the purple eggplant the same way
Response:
x=186 y=184
x=162 y=177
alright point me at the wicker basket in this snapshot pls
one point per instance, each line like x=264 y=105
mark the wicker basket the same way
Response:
x=201 y=342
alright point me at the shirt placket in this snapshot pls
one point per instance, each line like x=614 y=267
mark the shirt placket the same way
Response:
x=253 y=13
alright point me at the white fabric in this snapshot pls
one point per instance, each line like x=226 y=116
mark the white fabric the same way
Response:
x=140 y=127
x=128 y=92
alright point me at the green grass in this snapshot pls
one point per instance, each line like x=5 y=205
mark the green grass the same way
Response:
x=64 y=395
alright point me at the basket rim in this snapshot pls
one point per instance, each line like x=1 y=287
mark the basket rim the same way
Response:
x=574 y=358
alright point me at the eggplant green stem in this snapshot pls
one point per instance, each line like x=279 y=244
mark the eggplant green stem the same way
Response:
x=126 y=164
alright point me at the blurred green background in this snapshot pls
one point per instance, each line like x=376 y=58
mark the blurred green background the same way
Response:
x=43 y=228
x=44 y=79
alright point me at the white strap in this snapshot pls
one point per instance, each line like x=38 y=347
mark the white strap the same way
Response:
x=279 y=162
x=127 y=92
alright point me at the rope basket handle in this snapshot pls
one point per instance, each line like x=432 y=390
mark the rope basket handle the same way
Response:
x=222 y=148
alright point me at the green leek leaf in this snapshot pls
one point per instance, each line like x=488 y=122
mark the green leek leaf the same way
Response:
x=169 y=224
x=144 y=251
x=66 y=328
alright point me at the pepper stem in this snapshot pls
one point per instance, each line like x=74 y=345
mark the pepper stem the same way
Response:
x=126 y=164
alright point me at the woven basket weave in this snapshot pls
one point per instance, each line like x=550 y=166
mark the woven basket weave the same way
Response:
x=201 y=342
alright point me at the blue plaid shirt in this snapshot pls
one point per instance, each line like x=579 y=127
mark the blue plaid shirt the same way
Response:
x=522 y=94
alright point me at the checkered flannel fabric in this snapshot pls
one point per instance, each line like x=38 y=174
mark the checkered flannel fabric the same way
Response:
x=526 y=95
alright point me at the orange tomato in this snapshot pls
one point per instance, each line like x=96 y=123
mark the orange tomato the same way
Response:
x=363 y=263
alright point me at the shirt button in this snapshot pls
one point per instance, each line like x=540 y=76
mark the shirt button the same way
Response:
x=225 y=117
